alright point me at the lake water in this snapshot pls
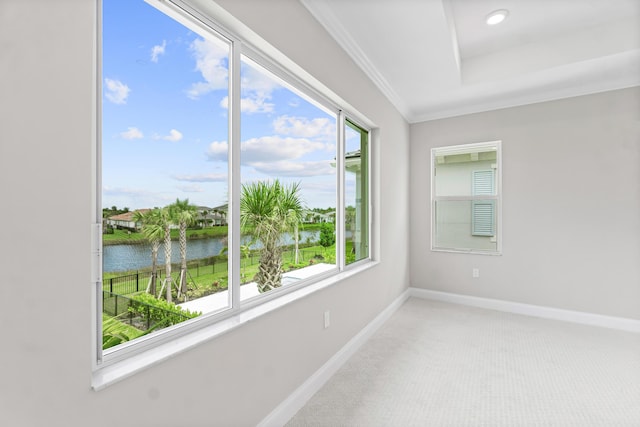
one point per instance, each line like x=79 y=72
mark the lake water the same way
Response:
x=133 y=257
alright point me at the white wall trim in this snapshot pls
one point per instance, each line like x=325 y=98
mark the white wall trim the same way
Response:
x=620 y=323
x=323 y=13
x=296 y=400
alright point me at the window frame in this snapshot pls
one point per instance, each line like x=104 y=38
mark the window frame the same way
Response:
x=496 y=198
x=118 y=362
x=368 y=204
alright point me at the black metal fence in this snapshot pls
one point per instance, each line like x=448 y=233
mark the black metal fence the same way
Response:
x=127 y=284
x=137 y=282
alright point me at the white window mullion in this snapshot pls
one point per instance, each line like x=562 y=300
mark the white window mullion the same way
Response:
x=370 y=194
x=97 y=194
x=340 y=203
x=233 y=208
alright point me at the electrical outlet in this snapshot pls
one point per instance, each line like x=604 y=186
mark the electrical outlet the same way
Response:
x=476 y=273
x=327 y=319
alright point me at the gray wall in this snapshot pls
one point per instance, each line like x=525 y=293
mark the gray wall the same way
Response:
x=571 y=213
x=46 y=189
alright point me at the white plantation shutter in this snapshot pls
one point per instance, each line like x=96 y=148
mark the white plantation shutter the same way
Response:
x=483 y=183
x=483 y=211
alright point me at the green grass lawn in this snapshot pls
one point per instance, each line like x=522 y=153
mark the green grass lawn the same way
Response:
x=206 y=278
x=203 y=280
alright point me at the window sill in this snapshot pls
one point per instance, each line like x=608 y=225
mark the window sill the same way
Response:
x=106 y=375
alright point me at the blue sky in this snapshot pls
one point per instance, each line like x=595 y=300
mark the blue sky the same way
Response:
x=165 y=118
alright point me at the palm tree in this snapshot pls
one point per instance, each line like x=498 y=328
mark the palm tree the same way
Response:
x=350 y=221
x=153 y=231
x=296 y=237
x=184 y=215
x=204 y=214
x=268 y=209
x=165 y=221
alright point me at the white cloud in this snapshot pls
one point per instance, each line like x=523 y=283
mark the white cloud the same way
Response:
x=158 y=50
x=217 y=151
x=256 y=87
x=134 y=193
x=266 y=149
x=211 y=62
x=116 y=91
x=132 y=133
x=276 y=156
x=124 y=191
x=202 y=177
x=276 y=148
x=256 y=105
x=305 y=128
x=290 y=168
x=295 y=103
x=134 y=197
x=251 y=105
x=320 y=187
x=190 y=188
x=174 y=136
x=255 y=79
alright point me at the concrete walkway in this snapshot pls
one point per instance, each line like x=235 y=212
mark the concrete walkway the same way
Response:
x=220 y=300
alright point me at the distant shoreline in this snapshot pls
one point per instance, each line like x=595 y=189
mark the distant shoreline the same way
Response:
x=142 y=241
x=121 y=238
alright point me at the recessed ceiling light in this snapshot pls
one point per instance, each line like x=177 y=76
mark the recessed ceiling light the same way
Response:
x=497 y=16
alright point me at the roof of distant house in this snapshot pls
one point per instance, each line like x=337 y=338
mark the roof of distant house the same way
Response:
x=128 y=216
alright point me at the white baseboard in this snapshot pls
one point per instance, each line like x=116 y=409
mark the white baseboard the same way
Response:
x=296 y=400
x=621 y=323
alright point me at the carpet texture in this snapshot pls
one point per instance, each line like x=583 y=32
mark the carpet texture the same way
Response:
x=440 y=364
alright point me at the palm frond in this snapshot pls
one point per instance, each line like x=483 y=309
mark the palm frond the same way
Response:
x=267 y=210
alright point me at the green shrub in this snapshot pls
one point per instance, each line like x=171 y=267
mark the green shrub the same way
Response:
x=327 y=234
x=293 y=266
x=159 y=312
x=115 y=332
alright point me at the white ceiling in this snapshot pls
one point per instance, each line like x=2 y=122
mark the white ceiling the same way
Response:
x=437 y=58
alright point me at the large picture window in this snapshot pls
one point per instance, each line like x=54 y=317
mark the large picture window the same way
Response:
x=218 y=181
x=465 y=198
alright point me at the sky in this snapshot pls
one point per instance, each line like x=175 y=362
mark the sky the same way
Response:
x=165 y=118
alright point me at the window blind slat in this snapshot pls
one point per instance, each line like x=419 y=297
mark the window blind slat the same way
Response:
x=483 y=213
x=483 y=210
x=483 y=183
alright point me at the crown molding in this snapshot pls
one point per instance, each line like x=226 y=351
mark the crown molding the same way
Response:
x=323 y=13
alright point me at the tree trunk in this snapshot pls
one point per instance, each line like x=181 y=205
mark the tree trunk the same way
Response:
x=183 y=259
x=167 y=261
x=295 y=231
x=269 y=274
x=155 y=245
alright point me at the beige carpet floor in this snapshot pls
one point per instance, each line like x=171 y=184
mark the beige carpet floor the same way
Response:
x=439 y=364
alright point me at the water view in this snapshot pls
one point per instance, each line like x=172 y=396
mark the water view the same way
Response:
x=133 y=257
